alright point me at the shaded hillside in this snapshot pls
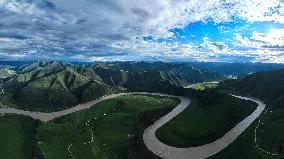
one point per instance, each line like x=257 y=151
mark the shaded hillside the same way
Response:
x=53 y=85
x=210 y=115
x=18 y=138
x=56 y=85
x=268 y=86
x=142 y=75
x=6 y=72
x=236 y=69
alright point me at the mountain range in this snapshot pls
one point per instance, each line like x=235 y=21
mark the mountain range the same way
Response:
x=269 y=87
x=57 y=85
x=50 y=86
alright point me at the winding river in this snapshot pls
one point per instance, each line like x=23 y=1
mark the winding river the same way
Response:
x=199 y=152
x=149 y=136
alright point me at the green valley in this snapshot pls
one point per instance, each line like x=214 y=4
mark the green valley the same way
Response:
x=267 y=86
x=194 y=126
x=114 y=129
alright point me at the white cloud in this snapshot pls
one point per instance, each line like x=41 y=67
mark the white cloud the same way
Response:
x=21 y=8
x=245 y=42
x=90 y=27
x=13 y=56
x=273 y=38
x=215 y=47
x=264 y=47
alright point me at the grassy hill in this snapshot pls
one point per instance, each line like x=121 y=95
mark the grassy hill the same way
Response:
x=117 y=126
x=209 y=117
x=111 y=122
x=236 y=69
x=50 y=86
x=102 y=132
x=6 y=72
x=17 y=135
x=268 y=86
x=53 y=86
x=146 y=76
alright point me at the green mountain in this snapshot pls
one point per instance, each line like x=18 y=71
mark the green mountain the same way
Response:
x=53 y=85
x=48 y=85
x=6 y=72
x=143 y=75
x=236 y=69
x=268 y=86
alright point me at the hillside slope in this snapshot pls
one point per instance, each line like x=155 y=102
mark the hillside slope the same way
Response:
x=142 y=75
x=49 y=86
x=268 y=86
x=53 y=85
x=236 y=69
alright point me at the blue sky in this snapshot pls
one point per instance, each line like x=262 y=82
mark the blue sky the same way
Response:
x=150 y=30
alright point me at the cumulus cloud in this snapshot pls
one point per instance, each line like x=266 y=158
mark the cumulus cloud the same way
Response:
x=274 y=38
x=216 y=47
x=245 y=42
x=102 y=29
x=264 y=47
